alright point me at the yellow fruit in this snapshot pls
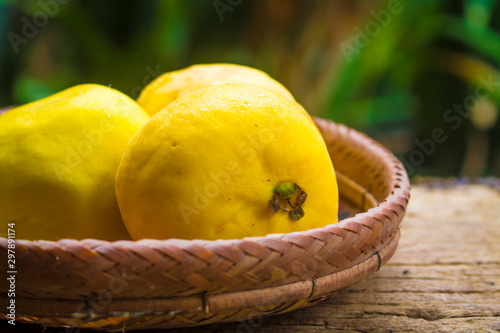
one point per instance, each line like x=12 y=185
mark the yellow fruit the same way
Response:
x=172 y=85
x=58 y=162
x=226 y=162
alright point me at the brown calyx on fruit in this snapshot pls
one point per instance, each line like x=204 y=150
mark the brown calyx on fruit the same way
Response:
x=288 y=197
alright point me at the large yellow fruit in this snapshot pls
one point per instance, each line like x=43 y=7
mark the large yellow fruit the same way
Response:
x=225 y=162
x=172 y=85
x=58 y=162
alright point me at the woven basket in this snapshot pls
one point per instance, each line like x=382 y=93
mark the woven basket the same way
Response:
x=127 y=285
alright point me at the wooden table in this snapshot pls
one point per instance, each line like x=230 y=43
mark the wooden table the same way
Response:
x=444 y=277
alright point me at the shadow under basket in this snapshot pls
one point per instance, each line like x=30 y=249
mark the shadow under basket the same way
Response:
x=130 y=285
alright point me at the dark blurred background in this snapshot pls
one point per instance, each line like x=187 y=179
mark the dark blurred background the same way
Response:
x=419 y=76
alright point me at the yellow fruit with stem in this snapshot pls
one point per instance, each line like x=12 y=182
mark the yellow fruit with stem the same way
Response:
x=226 y=161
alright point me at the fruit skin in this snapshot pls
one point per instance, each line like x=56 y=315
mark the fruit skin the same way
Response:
x=172 y=85
x=207 y=167
x=58 y=162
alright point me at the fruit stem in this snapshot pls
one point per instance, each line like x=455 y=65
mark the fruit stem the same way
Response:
x=286 y=190
x=289 y=197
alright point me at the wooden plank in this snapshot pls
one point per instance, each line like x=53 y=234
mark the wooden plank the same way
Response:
x=444 y=277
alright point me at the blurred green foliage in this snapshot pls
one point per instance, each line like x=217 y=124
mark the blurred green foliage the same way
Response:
x=391 y=68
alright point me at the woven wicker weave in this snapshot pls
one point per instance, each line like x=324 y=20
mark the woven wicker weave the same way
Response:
x=174 y=283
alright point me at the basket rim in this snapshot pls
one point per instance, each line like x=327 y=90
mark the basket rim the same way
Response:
x=311 y=290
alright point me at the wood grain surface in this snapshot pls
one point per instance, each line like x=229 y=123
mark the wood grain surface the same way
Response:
x=444 y=277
